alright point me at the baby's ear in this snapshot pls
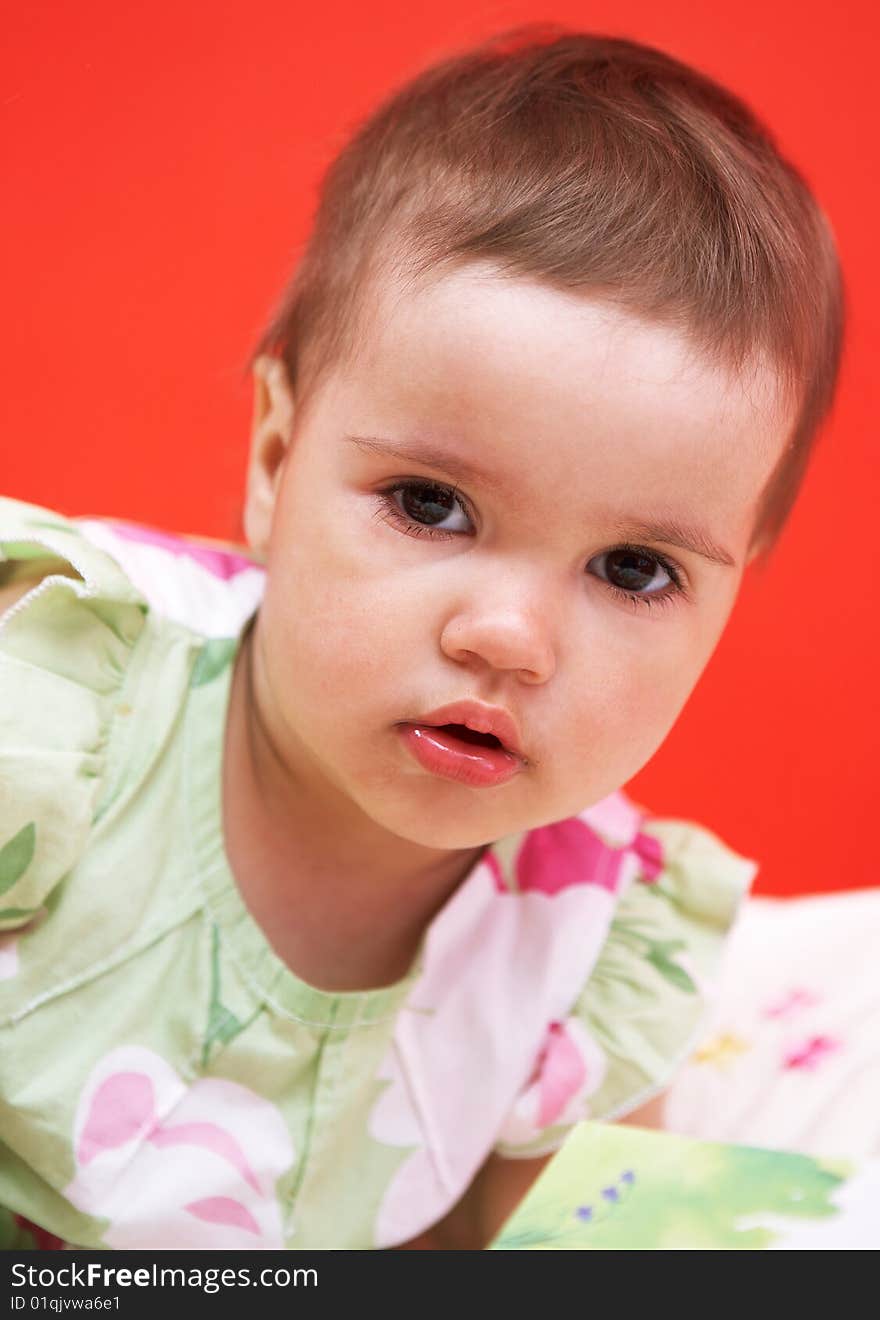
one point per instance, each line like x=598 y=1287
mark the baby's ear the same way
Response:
x=271 y=431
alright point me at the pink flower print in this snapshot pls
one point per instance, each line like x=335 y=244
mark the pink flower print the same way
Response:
x=811 y=1053
x=602 y=846
x=555 y=857
x=615 y=818
x=120 y=1109
x=220 y=562
x=171 y=1165
x=570 y=1068
x=497 y=967
x=791 y=1003
x=212 y=591
x=650 y=853
x=224 y=1210
x=568 y=853
x=561 y=1073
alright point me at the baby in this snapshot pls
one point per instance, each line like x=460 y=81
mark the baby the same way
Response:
x=326 y=916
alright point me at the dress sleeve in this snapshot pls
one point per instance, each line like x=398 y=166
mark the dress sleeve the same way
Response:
x=65 y=648
x=640 y=1014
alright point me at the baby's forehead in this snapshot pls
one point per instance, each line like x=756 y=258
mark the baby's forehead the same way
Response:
x=474 y=324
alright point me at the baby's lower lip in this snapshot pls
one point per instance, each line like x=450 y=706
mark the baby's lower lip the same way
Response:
x=441 y=752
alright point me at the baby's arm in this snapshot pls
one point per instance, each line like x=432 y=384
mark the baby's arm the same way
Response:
x=492 y=1197
x=497 y=1190
x=9 y=595
x=17 y=579
x=650 y=1115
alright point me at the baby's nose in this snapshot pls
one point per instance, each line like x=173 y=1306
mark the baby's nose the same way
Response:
x=507 y=629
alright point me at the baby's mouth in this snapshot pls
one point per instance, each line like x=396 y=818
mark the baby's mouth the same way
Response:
x=456 y=751
x=470 y=735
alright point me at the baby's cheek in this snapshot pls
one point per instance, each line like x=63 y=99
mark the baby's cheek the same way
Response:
x=617 y=724
x=332 y=636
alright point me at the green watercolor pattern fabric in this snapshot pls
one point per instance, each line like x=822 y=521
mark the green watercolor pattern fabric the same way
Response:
x=620 y=1189
x=166 y=1079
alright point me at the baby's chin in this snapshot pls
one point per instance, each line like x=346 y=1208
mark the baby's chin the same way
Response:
x=474 y=825
x=437 y=829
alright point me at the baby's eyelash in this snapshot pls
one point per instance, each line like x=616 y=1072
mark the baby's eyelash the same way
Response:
x=390 y=512
x=665 y=597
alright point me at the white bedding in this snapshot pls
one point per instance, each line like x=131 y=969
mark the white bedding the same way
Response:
x=791 y=1055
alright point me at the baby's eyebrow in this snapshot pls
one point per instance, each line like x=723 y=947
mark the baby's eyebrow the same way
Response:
x=431 y=455
x=672 y=531
x=675 y=532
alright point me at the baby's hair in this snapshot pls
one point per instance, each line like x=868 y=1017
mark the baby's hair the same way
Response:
x=596 y=165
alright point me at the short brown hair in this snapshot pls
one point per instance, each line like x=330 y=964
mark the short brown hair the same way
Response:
x=594 y=164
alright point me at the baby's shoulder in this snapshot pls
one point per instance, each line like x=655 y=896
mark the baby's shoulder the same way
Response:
x=71 y=624
x=618 y=842
x=634 y=910
x=209 y=586
x=107 y=630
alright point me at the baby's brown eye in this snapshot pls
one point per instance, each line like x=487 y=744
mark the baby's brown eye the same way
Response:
x=423 y=508
x=440 y=502
x=632 y=570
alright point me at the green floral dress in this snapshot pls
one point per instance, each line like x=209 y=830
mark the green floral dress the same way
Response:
x=166 y=1080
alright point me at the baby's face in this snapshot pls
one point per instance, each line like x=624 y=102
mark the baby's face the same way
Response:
x=582 y=425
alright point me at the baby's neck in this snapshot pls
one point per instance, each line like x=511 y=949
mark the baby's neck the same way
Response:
x=344 y=908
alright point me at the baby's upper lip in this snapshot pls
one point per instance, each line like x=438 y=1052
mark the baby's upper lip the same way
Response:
x=481 y=718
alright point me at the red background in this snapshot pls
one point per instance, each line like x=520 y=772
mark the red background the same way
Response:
x=160 y=167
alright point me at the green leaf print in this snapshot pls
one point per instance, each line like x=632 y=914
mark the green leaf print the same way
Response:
x=656 y=952
x=222 y=1025
x=15 y=914
x=15 y=856
x=676 y=975
x=656 y=890
x=214 y=656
